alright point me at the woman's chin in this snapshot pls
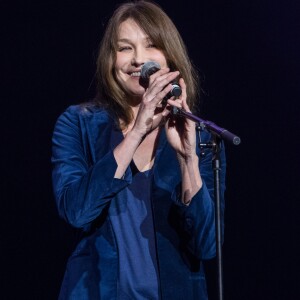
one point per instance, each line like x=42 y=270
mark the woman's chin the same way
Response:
x=135 y=96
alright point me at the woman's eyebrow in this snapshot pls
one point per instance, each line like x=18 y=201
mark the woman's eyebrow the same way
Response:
x=125 y=40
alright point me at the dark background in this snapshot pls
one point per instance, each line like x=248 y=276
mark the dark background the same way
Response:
x=247 y=53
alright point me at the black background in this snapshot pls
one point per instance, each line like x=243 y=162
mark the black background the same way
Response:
x=247 y=53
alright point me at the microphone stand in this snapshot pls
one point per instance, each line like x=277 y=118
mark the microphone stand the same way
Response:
x=218 y=134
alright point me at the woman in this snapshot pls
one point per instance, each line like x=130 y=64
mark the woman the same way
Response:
x=127 y=171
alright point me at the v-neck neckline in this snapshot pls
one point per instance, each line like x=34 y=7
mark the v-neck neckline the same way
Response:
x=117 y=137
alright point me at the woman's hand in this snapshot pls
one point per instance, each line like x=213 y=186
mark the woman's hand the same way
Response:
x=181 y=131
x=147 y=118
x=181 y=135
x=149 y=115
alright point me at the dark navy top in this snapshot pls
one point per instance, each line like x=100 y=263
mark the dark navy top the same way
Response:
x=134 y=232
x=135 y=236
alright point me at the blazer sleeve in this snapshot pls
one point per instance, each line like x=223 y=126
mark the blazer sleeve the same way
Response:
x=81 y=190
x=198 y=219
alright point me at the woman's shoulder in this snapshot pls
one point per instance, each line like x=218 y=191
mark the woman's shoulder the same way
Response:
x=89 y=111
x=85 y=109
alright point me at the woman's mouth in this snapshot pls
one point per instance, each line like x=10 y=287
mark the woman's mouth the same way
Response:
x=135 y=74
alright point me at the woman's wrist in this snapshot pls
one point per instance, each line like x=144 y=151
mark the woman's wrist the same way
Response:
x=135 y=136
x=187 y=158
x=191 y=179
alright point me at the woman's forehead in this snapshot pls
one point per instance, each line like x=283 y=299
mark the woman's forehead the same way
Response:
x=131 y=27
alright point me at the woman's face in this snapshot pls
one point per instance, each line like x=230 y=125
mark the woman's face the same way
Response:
x=134 y=48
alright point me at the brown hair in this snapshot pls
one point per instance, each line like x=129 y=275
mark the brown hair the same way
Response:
x=163 y=33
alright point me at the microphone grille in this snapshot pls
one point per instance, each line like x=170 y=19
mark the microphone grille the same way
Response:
x=149 y=68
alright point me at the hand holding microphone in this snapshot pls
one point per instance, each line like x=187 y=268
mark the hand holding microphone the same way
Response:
x=152 y=67
x=180 y=131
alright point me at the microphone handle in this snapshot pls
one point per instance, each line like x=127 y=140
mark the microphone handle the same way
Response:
x=175 y=91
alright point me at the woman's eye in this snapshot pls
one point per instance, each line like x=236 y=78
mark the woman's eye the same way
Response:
x=151 y=46
x=124 y=48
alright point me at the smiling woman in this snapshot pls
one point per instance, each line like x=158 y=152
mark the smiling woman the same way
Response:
x=127 y=172
x=150 y=19
x=134 y=48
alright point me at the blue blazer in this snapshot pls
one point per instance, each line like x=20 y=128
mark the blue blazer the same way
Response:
x=86 y=192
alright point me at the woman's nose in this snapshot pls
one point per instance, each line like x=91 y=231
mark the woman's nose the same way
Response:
x=138 y=57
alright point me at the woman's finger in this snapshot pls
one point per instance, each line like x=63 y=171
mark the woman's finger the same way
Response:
x=183 y=89
x=160 y=84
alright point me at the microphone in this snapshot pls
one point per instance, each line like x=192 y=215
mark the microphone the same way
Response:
x=152 y=67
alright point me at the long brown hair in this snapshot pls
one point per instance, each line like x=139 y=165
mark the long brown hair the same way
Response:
x=163 y=33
